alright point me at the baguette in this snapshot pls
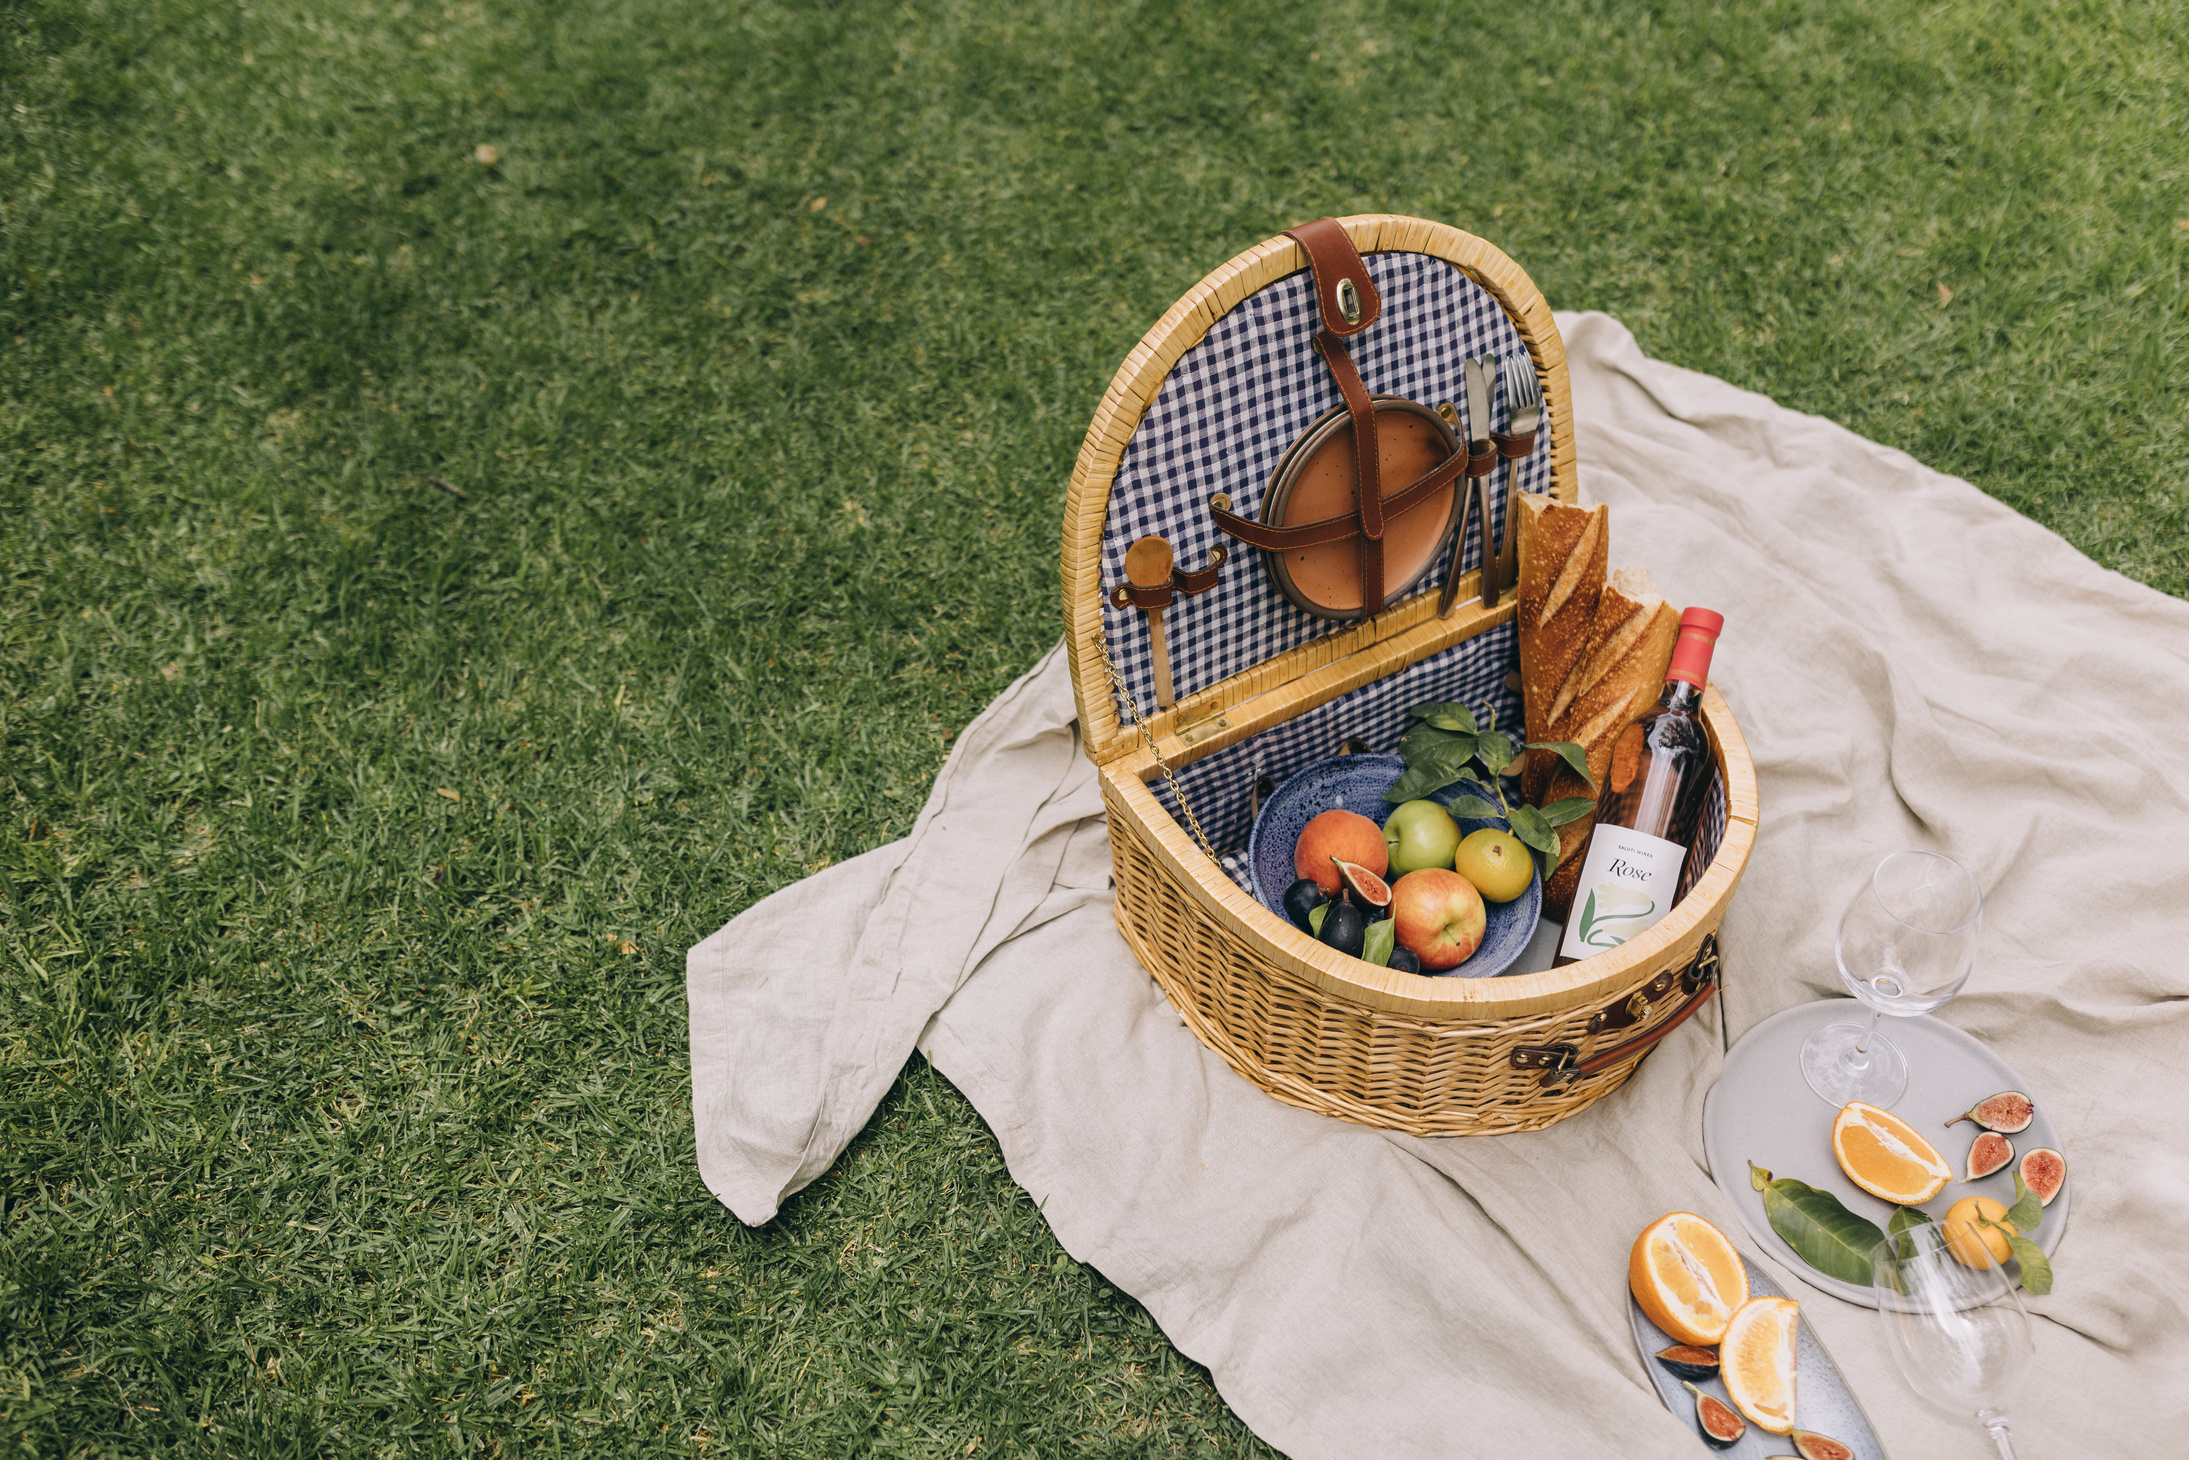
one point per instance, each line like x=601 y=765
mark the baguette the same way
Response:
x=1616 y=679
x=1563 y=554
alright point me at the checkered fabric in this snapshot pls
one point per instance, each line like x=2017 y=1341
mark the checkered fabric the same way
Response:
x=1221 y=786
x=1223 y=418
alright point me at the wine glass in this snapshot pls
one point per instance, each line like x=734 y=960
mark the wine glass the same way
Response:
x=1905 y=945
x=1959 y=1332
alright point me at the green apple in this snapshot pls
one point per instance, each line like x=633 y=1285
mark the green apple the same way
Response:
x=1420 y=834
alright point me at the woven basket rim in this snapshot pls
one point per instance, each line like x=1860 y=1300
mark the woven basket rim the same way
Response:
x=1134 y=388
x=1550 y=991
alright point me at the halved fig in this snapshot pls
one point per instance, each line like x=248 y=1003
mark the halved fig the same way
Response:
x=1686 y=1361
x=2009 y=1112
x=2044 y=1171
x=1372 y=890
x=1721 y=1422
x=1992 y=1152
x=1810 y=1445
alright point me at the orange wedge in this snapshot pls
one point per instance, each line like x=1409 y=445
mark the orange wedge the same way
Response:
x=1757 y=1362
x=1687 y=1277
x=1882 y=1154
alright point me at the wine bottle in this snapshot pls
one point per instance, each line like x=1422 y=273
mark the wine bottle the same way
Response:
x=1645 y=810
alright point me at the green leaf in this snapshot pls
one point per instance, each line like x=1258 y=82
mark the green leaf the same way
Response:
x=1572 y=808
x=1758 y=1178
x=1474 y=807
x=1446 y=716
x=1572 y=754
x=1496 y=751
x=1315 y=919
x=1532 y=827
x=2036 y=1267
x=1431 y=767
x=1903 y=1219
x=1419 y=738
x=2027 y=1210
x=1381 y=938
x=1822 y=1232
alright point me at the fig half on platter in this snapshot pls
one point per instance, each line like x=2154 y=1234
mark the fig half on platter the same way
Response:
x=1688 y=1361
x=1992 y=1152
x=2044 y=1171
x=2009 y=1112
x=1809 y=1445
x=1722 y=1423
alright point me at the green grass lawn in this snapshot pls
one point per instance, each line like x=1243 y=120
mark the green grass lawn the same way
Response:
x=352 y=829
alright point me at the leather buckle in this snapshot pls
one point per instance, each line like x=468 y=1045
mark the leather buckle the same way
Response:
x=1555 y=1060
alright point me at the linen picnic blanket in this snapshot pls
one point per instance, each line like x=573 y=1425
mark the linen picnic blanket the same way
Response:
x=1913 y=664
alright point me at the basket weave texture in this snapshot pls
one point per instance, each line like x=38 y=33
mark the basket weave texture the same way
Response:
x=1309 y=1025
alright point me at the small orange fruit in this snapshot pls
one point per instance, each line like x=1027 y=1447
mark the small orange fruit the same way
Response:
x=1972 y=1243
x=1757 y=1360
x=1687 y=1277
x=1882 y=1154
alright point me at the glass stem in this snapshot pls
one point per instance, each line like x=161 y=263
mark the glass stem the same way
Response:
x=1858 y=1058
x=1995 y=1421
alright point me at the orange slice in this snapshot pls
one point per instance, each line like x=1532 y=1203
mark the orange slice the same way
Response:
x=1882 y=1154
x=1757 y=1362
x=1687 y=1277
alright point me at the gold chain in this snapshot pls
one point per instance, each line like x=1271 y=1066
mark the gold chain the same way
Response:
x=1170 y=778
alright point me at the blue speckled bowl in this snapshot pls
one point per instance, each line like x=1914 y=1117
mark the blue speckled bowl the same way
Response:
x=1357 y=783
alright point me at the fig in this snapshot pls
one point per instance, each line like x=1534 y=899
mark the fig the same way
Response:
x=1344 y=929
x=1686 y=1361
x=1301 y=899
x=1369 y=890
x=1809 y=1445
x=1721 y=1423
x=2009 y=1112
x=1404 y=961
x=2044 y=1171
x=1991 y=1152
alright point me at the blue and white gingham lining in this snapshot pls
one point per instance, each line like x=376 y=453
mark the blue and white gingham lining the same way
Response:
x=1220 y=787
x=1225 y=415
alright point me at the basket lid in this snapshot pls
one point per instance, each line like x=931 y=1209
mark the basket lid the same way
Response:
x=1205 y=407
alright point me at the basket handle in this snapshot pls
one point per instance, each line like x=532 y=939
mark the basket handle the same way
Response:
x=1561 y=1063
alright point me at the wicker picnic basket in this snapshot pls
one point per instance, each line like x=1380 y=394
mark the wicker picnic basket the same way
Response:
x=1197 y=415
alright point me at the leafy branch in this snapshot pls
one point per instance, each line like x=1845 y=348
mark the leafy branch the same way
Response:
x=1448 y=746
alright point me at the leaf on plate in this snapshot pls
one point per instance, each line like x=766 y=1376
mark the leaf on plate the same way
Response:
x=2027 y=1210
x=2036 y=1267
x=1758 y=1178
x=1431 y=766
x=1822 y=1232
x=1377 y=944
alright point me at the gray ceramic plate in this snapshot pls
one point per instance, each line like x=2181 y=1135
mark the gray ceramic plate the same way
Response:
x=1761 y=1110
x=1822 y=1401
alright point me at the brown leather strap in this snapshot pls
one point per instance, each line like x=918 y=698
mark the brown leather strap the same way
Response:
x=1483 y=465
x=1367 y=473
x=1330 y=253
x=1336 y=529
x=1149 y=599
x=1557 y=1060
x=1203 y=579
x=1513 y=448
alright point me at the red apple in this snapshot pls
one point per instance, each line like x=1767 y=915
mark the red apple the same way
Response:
x=1343 y=834
x=1439 y=915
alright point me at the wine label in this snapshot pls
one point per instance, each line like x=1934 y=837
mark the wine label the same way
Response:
x=1628 y=878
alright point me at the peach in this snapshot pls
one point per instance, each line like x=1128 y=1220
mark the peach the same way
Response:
x=1346 y=835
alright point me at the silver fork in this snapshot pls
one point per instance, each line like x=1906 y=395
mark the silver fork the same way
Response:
x=1524 y=400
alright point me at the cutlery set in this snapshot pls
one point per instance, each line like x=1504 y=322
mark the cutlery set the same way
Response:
x=1524 y=402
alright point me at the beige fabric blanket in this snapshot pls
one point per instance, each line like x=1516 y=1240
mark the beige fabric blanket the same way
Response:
x=1913 y=663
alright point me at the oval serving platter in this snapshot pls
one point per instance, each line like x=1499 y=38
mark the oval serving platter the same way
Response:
x=1822 y=1401
x=1761 y=1110
x=1357 y=783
